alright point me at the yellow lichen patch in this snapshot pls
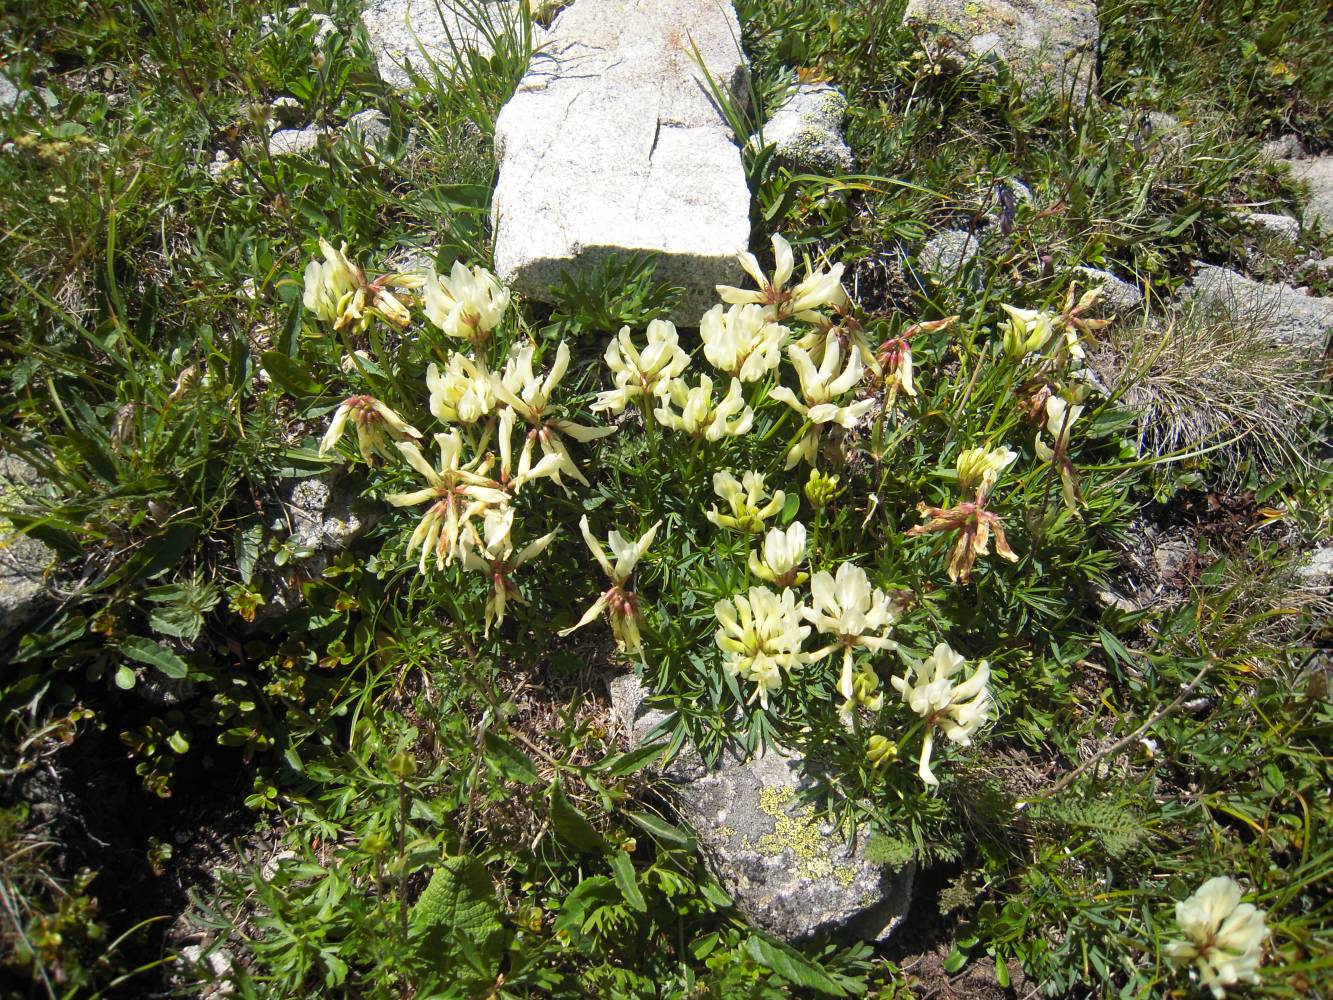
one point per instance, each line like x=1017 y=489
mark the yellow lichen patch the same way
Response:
x=797 y=832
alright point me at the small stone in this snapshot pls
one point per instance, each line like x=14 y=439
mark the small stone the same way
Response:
x=370 y=128
x=946 y=254
x=269 y=870
x=9 y=94
x=1318 y=174
x=294 y=141
x=287 y=110
x=24 y=561
x=1316 y=571
x=1283 y=226
x=1118 y=296
x=428 y=36
x=1278 y=312
x=1284 y=147
x=222 y=165
x=327 y=517
x=612 y=145
x=790 y=873
x=807 y=129
x=1046 y=44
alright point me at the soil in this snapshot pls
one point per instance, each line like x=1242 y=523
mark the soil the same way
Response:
x=101 y=816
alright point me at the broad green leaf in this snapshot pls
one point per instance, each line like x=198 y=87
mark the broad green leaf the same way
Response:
x=623 y=869
x=247 y=541
x=289 y=374
x=125 y=677
x=147 y=651
x=512 y=762
x=570 y=824
x=792 y=966
x=660 y=828
x=458 y=905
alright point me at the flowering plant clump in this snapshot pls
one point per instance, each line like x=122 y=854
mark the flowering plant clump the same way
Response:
x=1224 y=938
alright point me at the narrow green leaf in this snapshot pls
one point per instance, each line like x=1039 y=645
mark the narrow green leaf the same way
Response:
x=660 y=828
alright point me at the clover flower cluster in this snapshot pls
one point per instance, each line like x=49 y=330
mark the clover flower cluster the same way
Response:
x=509 y=422
x=507 y=428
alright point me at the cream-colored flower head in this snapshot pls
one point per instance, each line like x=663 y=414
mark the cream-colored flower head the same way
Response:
x=492 y=553
x=331 y=286
x=530 y=396
x=691 y=409
x=464 y=393
x=934 y=691
x=745 y=502
x=821 y=387
x=376 y=426
x=855 y=614
x=619 y=602
x=980 y=468
x=742 y=341
x=457 y=492
x=1224 y=937
x=779 y=561
x=643 y=375
x=1027 y=330
x=468 y=304
x=818 y=290
x=761 y=635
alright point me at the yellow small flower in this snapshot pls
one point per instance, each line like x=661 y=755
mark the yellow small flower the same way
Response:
x=879 y=751
x=468 y=304
x=820 y=388
x=698 y=415
x=820 y=489
x=818 y=290
x=854 y=613
x=620 y=603
x=745 y=501
x=376 y=426
x=743 y=341
x=464 y=393
x=780 y=559
x=960 y=708
x=980 y=468
x=761 y=634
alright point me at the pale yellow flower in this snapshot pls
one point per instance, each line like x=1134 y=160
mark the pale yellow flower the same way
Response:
x=1225 y=937
x=857 y=615
x=821 y=387
x=1028 y=330
x=745 y=501
x=530 y=397
x=375 y=423
x=642 y=374
x=761 y=635
x=959 y=707
x=1060 y=420
x=818 y=290
x=780 y=559
x=457 y=492
x=468 y=304
x=980 y=468
x=337 y=292
x=866 y=694
x=699 y=415
x=492 y=553
x=618 y=600
x=464 y=393
x=742 y=341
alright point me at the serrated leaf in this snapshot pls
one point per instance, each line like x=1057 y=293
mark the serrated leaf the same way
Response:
x=512 y=762
x=457 y=907
x=623 y=869
x=247 y=542
x=792 y=966
x=570 y=824
x=177 y=620
x=147 y=651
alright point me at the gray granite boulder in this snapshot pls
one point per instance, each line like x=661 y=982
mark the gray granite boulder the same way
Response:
x=423 y=36
x=1282 y=226
x=807 y=129
x=1278 y=311
x=788 y=872
x=295 y=141
x=1047 y=43
x=1317 y=172
x=613 y=145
